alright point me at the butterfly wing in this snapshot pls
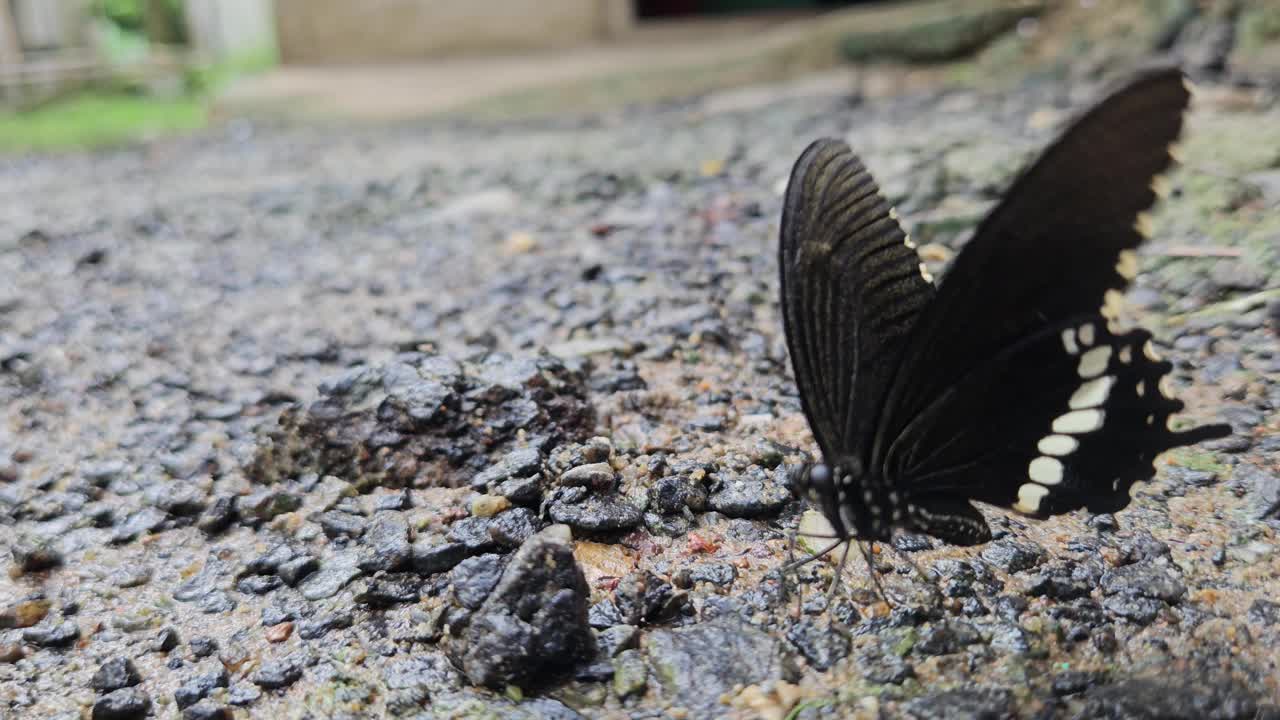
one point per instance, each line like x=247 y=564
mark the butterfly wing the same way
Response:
x=1003 y=394
x=852 y=287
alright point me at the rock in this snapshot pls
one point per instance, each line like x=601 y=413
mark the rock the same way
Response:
x=753 y=494
x=1143 y=581
x=616 y=638
x=199 y=686
x=34 y=555
x=946 y=638
x=474 y=578
x=630 y=673
x=694 y=666
x=62 y=634
x=339 y=524
x=598 y=514
x=472 y=533
x=297 y=569
x=672 y=495
x=430 y=558
x=206 y=710
x=511 y=528
x=822 y=644
x=267 y=505
x=390 y=425
x=976 y=703
x=533 y=621
x=1264 y=612
x=218 y=516
x=1013 y=557
x=597 y=476
x=114 y=674
x=124 y=704
x=1188 y=698
x=24 y=614
x=386 y=543
x=885 y=668
x=276 y=674
x=519 y=463
x=329 y=579
x=11 y=653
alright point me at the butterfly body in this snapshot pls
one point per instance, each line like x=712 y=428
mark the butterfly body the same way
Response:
x=1011 y=384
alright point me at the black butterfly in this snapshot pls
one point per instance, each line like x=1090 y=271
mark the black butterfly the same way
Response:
x=1010 y=384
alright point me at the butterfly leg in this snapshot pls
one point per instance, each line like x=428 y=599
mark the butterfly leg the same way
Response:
x=931 y=581
x=835 y=579
x=875 y=574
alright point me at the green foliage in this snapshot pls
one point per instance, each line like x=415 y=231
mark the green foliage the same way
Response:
x=97 y=120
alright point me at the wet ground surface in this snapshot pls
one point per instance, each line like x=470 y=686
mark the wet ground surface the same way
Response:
x=307 y=423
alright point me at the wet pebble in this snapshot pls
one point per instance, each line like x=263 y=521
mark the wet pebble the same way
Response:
x=52 y=635
x=822 y=644
x=200 y=685
x=124 y=704
x=598 y=514
x=474 y=578
x=276 y=674
x=329 y=579
x=386 y=543
x=1012 y=557
x=752 y=494
x=429 y=558
x=34 y=555
x=114 y=674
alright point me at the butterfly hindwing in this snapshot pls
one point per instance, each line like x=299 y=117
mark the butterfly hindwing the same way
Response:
x=852 y=288
x=1069 y=417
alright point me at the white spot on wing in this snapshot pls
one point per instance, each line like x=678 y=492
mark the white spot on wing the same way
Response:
x=1092 y=393
x=1165 y=387
x=1094 y=362
x=1079 y=421
x=1143 y=225
x=1069 y=341
x=906 y=240
x=1160 y=186
x=924 y=273
x=1141 y=388
x=1029 y=497
x=1057 y=445
x=1086 y=334
x=1126 y=354
x=1045 y=470
x=1127 y=264
x=1149 y=351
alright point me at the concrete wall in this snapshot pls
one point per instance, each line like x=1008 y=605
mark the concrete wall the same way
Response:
x=224 y=29
x=332 y=31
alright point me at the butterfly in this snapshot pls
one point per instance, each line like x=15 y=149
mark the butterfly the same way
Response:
x=1011 y=383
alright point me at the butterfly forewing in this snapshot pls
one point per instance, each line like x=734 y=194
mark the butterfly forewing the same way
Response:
x=1012 y=384
x=1015 y=387
x=852 y=288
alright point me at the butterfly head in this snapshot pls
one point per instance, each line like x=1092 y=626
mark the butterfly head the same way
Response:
x=826 y=486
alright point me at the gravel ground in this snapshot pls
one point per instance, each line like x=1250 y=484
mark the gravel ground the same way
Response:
x=453 y=421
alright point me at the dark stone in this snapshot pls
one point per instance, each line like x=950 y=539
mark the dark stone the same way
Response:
x=244 y=695
x=1063 y=581
x=1264 y=612
x=218 y=516
x=978 y=703
x=716 y=573
x=388 y=590
x=207 y=711
x=947 y=638
x=512 y=527
x=617 y=638
x=822 y=644
x=275 y=674
x=329 y=579
x=269 y=562
x=1073 y=682
x=199 y=686
x=1013 y=557
x=203 y=647
x=598 y=514
x=519 y=463
x=1137 y=609
x=474 y=578
x=429 y=559
x=521 y=491
x=146 y=520
x=671 y=495
x=473 y=533
x=31 y=555
x=114 y=674
x=1186 y=698
x=1104 y=523
x=694 y=666
x=296 y=570
x=258 y=584
x=216 y=602
x=165 y=640
x=319 y=627
x=62 y=634
x=267 y=505
x=1147 y=581
x=885 y=668
x=752 y=494
x=534 y=620
x=339 y=524
x=123 y=704
x=386 y=543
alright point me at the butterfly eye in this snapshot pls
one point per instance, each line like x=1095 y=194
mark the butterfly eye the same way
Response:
x=820 y=477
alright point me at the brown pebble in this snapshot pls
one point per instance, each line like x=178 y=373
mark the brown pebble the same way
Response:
x=10 y=652
x=279 y=633
x=24 y=614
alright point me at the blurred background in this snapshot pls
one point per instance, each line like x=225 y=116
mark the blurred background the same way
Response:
x=90 y=72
